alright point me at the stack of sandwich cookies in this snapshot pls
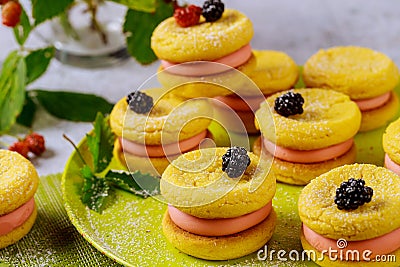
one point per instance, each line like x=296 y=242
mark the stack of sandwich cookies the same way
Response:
x=18 y=184
x=275 y=71
x=308 y=131
x=207 y=49
x=350 y=217
x=391 y=146
x=367 y=76
x=152 y=129
x=221 y=210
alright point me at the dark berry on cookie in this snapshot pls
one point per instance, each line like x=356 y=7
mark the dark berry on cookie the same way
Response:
x=235 y=161
x=213 y=10
x=289 y=104
x=353 y=194
x=139 y=102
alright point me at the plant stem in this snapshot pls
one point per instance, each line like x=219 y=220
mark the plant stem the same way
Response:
x=92 y=8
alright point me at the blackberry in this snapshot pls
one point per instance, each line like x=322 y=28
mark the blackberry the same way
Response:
x=289 y=104
x=139 y=102
x=213 y=10
x=353 y=194
x=235 y=161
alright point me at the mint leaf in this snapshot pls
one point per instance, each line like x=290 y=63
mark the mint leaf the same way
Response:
x=27 y=115
x=22 y=30
x=12 y=89
x=139 y=27
x=94 y=191
x=142 y=5
x=140 y=184
x=101 y=143
x=46 y=9
x=72 y=106
x=37 y=62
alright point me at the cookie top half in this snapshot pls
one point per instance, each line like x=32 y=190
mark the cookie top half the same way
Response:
x=329 y=118
x=171 y=119
x=380 y=216
x=204 y=41
x=196 y=184
x=18 y=181
x=356 y=71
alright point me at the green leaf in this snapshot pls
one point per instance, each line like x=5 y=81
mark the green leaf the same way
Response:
x=72 y=106
x=47 y=9
x=101 y=143
x=22 y=30
x=94 y=191
x=28 y=112
x=140 y=5
x=139 y=27
x=140 y=184
x=37 y=62
x=12 y=89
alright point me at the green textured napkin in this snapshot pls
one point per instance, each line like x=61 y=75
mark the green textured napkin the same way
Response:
x=53 y=240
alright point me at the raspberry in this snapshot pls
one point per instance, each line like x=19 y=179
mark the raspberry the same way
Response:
x=352 y=194
x=187 y=16
x=213 y=10
x=11 y=13
x=36 y=144
x=20 y=147
x=289 y=104
x=139 y=102
x=235 y=161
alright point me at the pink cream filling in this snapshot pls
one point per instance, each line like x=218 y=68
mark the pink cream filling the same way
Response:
x=218 y=227
x=200 y=68
x=372 y=103
x=16 y=218
x=308 y=156
x=242 y=104
x=162 y=150
x=380 y=245
x=391 y=165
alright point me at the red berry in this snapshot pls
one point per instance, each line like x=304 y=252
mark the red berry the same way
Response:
x=187 y=16
x=36 y=144
x=11 y=13
x=2 y=2
x=20 y=147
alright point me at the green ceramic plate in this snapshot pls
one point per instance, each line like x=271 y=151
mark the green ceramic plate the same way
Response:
x=129 y=230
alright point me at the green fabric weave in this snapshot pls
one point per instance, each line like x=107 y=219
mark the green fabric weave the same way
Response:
x=53 y=240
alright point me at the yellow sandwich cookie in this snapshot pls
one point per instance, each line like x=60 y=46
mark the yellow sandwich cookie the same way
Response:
x=205 y=41
x=221 y=247
x=303 y=173
x=18 y=184
x=347 y=213
x=329 y=118
x=155 y=127
x=359 y=72
x=275 y=71
x=319 y=212
x=391 y=141
x=196 y=184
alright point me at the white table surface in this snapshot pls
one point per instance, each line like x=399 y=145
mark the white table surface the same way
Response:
x=298 y=28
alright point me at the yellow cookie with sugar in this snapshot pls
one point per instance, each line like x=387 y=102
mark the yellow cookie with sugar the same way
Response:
x=222 y=247
x=196 y=185
x=18 y=183
x=391 y=141
x=329 y=118
x=275 y=71
x=318 y=211
x=359 y=72
x=170 y=120
x=204 y=41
